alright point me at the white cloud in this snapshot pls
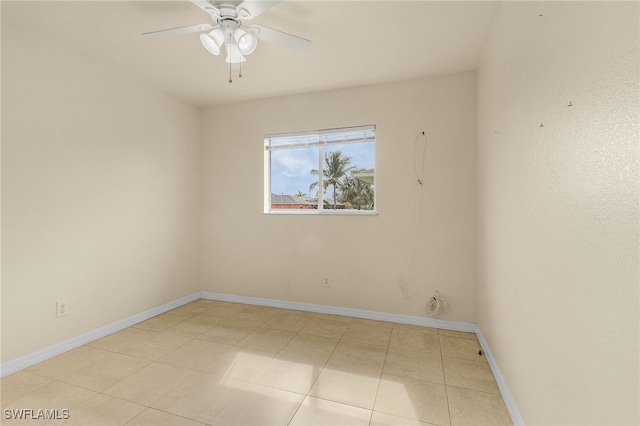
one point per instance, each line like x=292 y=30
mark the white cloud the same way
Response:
x=294 y=165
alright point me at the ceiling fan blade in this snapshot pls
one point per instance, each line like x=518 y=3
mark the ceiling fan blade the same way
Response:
x=278 y=37
x=249 y=9
x=207 y=7
x=180 y=30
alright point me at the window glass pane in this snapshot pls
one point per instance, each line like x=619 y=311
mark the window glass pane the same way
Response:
x=349 y=176
x=291 y=178
x=336 y=166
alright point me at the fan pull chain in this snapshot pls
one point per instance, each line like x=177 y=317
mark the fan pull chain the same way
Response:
x=240 y=73
x=230 y=79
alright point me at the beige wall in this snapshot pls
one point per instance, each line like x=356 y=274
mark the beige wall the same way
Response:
x=100 y=187
x=558 y=208
x=249 y=253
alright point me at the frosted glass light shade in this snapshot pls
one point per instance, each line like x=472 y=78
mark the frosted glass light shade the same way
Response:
x=233 y=54
x=213 y=41
x=247 y=42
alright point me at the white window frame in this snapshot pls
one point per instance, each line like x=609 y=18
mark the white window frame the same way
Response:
x=325 y=137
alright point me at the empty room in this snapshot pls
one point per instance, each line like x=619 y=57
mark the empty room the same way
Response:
x=291 y=212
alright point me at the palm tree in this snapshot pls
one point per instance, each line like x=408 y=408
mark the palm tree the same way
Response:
x=358 y=193
x=301 y=194
x=336 y=167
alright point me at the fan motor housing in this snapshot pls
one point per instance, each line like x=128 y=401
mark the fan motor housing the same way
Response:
x=226 y=8
x=229 y=23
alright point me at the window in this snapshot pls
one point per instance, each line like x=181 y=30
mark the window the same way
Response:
x=325 y=171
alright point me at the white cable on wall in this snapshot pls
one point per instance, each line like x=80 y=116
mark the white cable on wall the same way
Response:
x=436 y=306
x=405 y=286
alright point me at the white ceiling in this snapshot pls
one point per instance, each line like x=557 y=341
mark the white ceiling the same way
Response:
x=354 y=43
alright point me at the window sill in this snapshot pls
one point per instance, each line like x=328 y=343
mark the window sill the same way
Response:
x=322 y=213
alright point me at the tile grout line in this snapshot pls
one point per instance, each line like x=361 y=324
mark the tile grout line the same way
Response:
x=446 y=392
x=159 y=361
x=386 y=354
x=321 y=369
x=247 y=382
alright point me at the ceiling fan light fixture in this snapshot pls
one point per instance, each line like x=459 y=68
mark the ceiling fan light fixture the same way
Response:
x=213 y=41
x=228 y=29
x=246 y=42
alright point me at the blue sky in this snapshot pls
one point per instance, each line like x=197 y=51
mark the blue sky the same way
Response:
x=291 y=168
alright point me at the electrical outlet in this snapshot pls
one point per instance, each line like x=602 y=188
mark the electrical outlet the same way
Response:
x=325 y=282
x=62 y=308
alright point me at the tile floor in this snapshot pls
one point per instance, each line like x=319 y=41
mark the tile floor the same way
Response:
x=219 y=363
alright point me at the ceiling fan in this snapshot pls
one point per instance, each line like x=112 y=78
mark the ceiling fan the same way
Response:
x=230 y=29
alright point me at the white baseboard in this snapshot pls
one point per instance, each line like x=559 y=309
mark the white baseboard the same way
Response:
x=64 y=346
x=349 y=312
x=509 y=401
